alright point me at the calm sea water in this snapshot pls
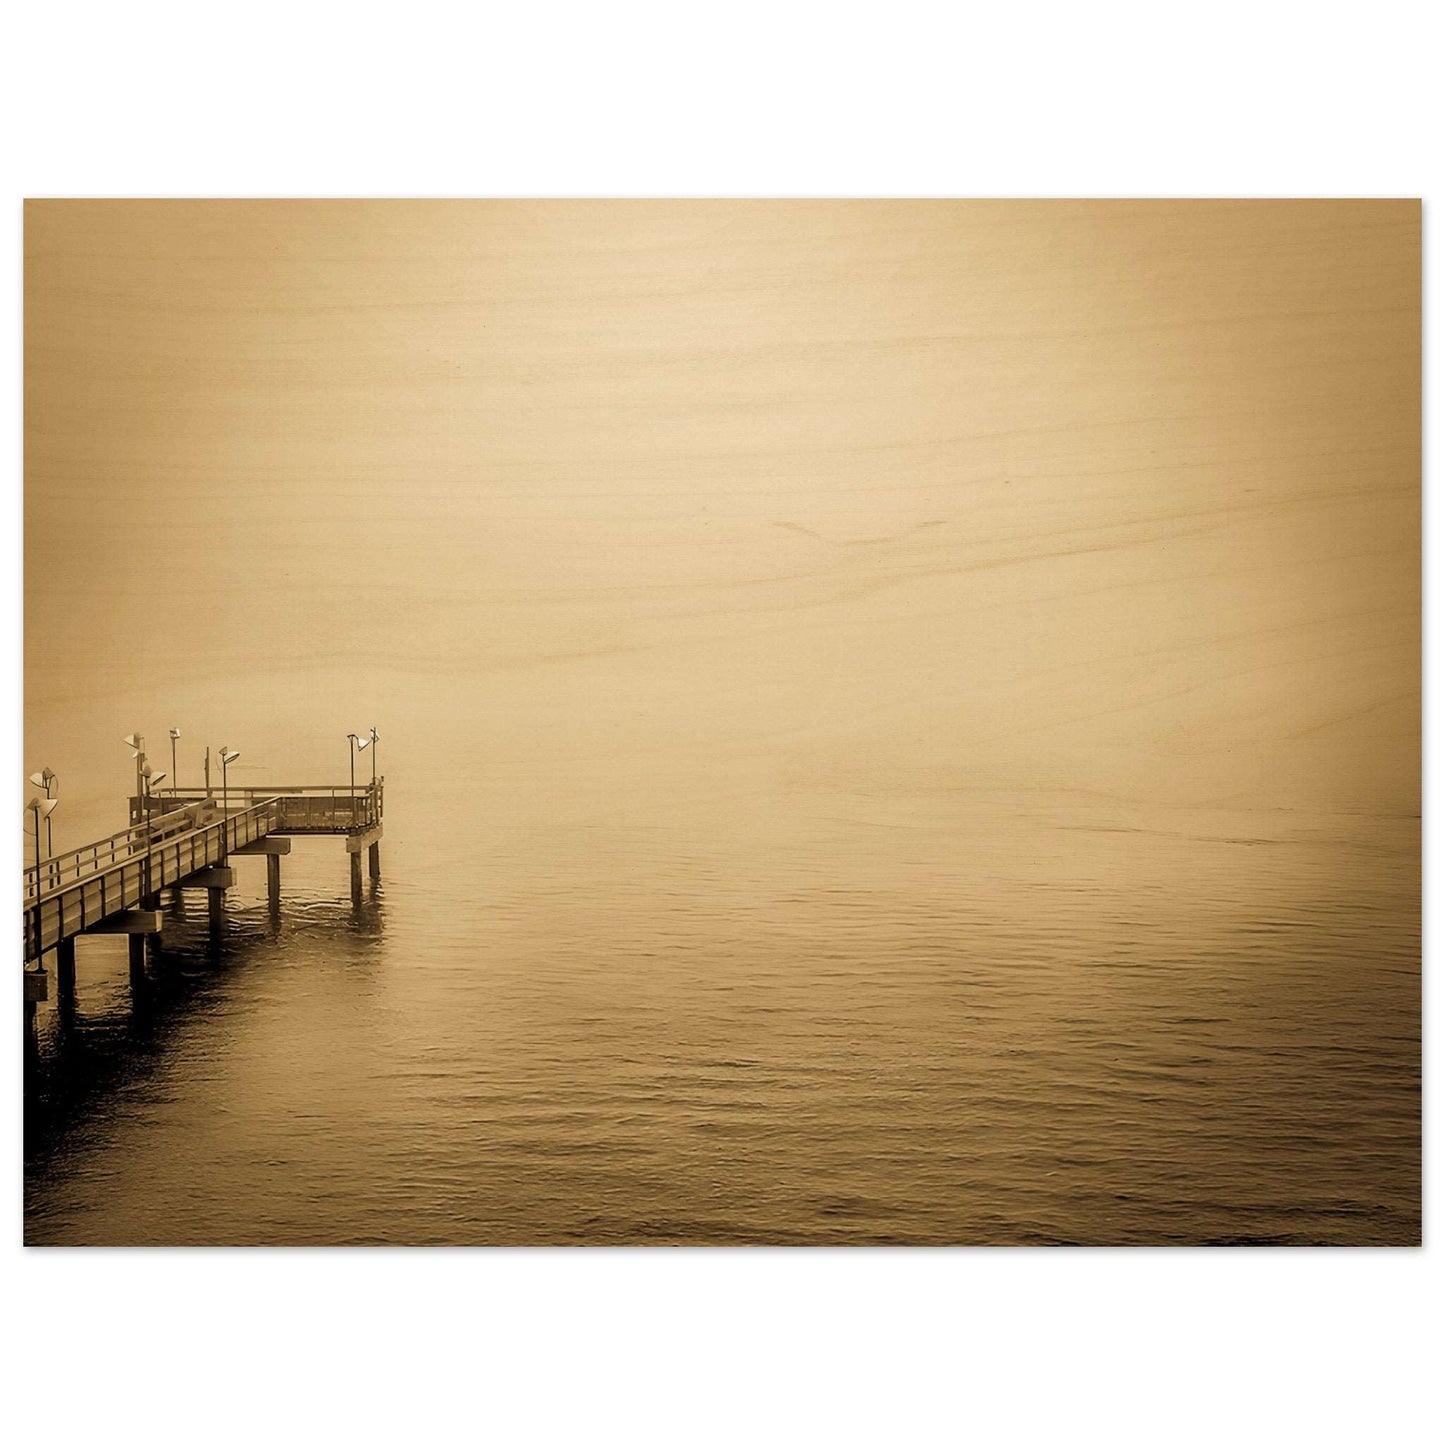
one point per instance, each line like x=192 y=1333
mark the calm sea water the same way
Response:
x=603 y=1005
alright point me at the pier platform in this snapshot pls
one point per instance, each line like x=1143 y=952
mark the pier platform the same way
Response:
x=187 y=841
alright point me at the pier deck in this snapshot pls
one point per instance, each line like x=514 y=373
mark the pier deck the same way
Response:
x=187 y=839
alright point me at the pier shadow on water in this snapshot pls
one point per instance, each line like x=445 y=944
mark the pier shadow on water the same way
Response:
x=96 y=1046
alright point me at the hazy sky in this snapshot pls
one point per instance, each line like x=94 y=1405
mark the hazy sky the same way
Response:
x=1095 y=496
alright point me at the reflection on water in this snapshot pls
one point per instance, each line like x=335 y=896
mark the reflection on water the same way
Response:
x=967 y=1027
x=110 y=1037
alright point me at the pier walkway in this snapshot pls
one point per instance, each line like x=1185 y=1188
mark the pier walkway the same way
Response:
x=187 y=842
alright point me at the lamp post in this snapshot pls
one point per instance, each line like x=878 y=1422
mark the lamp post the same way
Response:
x=42 y=808
x=371 y=806
x=175 y=776
x=44 y=779
x=150 y=780
x=356 y=743
x=137 y=745
x=228 y=756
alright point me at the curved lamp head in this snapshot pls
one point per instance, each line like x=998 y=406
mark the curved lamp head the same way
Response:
x=375 y=736
x=363 y=744
x=175 y=733
x=43 y=807
x=229 y=755
x=154 y=778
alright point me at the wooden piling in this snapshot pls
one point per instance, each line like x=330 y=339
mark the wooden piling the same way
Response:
x=273 y=881
x=36 y=991
x=355 y=877
x=65 y=968
x=136 y=942
x=373 y=860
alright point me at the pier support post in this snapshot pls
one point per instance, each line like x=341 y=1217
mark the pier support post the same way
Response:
x=136 y=943
x=273 y=849
x=65 y=970
x=135 y=923
x=36 y=991
x=215 y=881
x=367 y=841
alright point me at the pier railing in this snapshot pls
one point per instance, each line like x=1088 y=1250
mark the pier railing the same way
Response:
x=173 y=835
x=65 y=868
x=119 y=872
x=307 y=809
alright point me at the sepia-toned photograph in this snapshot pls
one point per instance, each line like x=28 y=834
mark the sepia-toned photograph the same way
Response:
x=769 y=722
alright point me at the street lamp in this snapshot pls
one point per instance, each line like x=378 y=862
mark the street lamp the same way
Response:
x=137 y=745
x=175 y=776
x=357 y=744
x=44 y=779
x=42 y=808
x=228 y=756
x=375 y=738
x=150 y=780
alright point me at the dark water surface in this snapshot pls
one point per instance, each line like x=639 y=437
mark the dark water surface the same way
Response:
x=926 y=1020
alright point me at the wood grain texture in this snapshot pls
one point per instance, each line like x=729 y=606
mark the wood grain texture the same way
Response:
x=1119 y=495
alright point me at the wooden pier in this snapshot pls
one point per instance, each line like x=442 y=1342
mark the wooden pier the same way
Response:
x=188 y=841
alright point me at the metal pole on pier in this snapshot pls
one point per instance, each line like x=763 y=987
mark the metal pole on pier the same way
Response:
x=44 y=779
x=42 y=808
x=151 y=779
x=228 y=756
x=351 y=741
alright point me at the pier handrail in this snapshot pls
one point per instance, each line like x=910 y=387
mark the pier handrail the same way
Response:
x=356 y=810
x=104 y=856
x=63 y=867
x=233 y=829
x=179 y=824
x=192 y=795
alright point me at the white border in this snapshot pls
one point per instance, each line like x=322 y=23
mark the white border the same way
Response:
x=744 y=99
